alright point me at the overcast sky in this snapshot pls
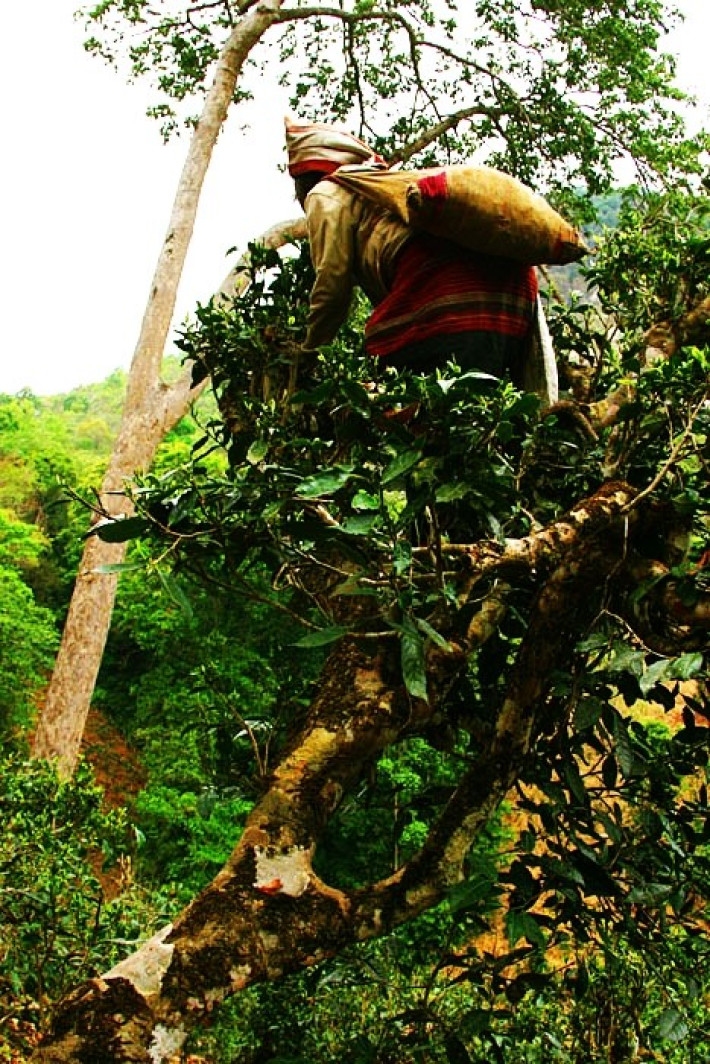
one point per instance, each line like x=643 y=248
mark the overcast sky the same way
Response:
x=87 y=187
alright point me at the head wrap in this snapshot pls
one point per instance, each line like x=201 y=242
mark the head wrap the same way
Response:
x=324 y=148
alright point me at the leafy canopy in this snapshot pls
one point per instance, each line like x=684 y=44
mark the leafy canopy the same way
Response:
x=556 y=93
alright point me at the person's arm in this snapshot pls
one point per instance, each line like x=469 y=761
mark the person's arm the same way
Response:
x=331 y=247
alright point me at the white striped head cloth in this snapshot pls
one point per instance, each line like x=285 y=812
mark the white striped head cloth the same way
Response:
x=324 y=148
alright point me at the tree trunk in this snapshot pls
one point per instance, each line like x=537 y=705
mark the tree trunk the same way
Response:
x=150 y=408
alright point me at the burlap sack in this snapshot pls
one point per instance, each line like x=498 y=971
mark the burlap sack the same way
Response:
x=476 y=206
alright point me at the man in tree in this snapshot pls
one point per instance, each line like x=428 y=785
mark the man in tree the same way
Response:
x=434 y=301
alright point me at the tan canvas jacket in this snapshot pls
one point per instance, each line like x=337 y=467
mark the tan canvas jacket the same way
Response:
x=352 y=243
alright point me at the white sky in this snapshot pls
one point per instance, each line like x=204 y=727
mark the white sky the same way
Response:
x=87 y=187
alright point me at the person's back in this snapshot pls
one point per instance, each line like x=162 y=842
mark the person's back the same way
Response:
x=352 y=242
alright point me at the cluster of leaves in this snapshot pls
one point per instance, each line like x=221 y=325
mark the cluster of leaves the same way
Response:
x=28 y=637
x=383 y=1003
x=205 y=688
x=596 y=878
x=370 y=482
x=653 y=265
x=350 y=482
x=51 y=449
x=57 y=924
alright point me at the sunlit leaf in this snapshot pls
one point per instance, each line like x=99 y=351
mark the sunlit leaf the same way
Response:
x=257 y=452
x=362 y=500
x=672 y=1026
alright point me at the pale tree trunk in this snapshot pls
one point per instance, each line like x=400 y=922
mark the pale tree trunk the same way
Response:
x=150 y=408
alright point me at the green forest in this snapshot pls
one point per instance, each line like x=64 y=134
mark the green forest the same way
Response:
x=398 y=748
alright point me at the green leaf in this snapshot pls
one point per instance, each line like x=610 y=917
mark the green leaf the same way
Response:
x=595 y=641
x=121 y=529
x=257 y=452
x=609 y=771
x=587 y=712
x=660 y=670
x=359 y=524
x=524 y=925
x=672 y=1026
x=272 y=509
x=626 y=659
x=324 y=483
x=413 y=667
x=322 y=637
x=431 y=633
x=352 y=586
x=362 y=500
x=120 y=567
x=686 y=666
x=528 y=403
x=649 y=894
x=175 y=592
x=400 y=465
x=469 y=894
x=452 y=492
x=625 y=757
x=401 y=557
x=575 y=782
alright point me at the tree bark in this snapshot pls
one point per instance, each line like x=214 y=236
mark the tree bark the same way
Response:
x=150 y=409
x=665 y=337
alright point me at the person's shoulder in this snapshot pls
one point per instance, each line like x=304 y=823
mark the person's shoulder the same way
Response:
x=328 y=202
x=329 y=192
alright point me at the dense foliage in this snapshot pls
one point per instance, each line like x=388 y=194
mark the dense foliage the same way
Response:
x=349 y=490
x=60 y=920
x=584 y=901
x=601 y=921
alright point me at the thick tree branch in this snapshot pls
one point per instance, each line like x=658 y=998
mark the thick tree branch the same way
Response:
x=267 y=912
x=665 y=337
x=666 y=618
x=435 y=132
